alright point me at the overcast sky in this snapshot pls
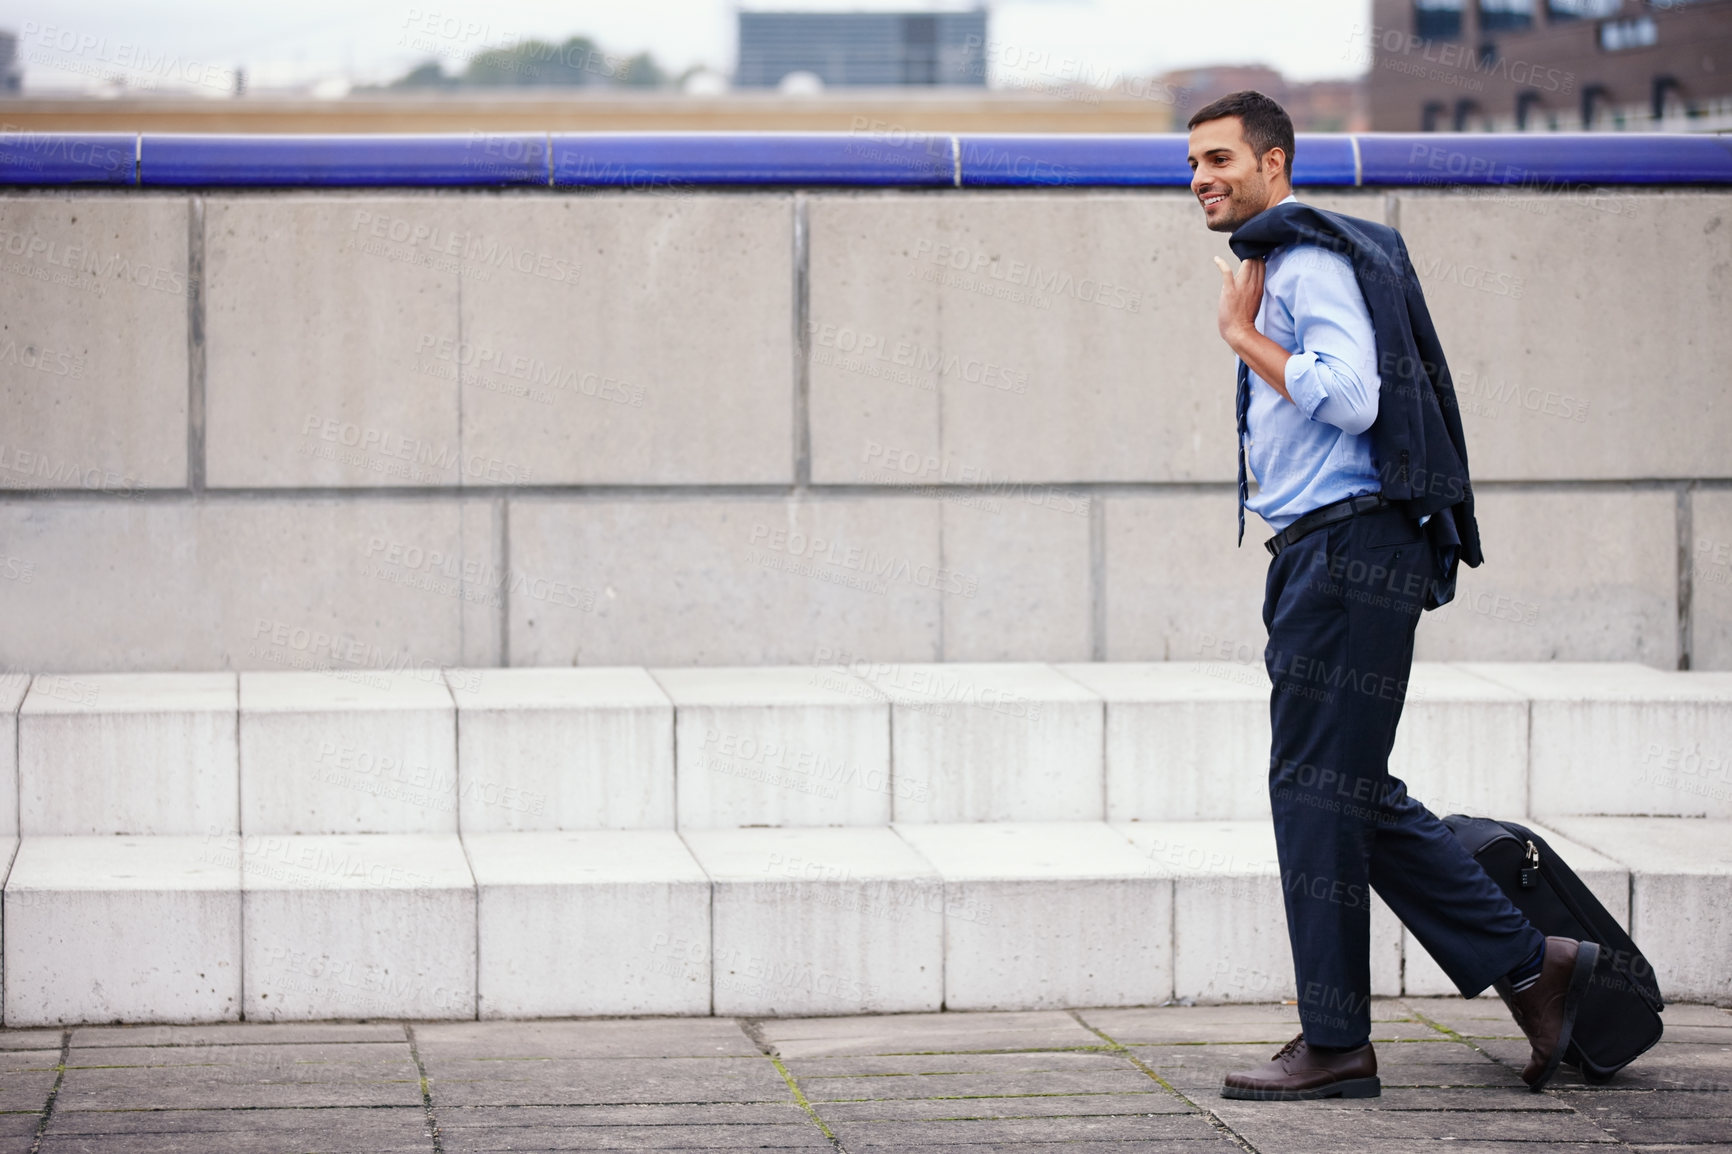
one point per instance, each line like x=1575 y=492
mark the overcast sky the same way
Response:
x=68 y=42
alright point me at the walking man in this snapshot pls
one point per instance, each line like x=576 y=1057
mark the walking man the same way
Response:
x=1348 y=418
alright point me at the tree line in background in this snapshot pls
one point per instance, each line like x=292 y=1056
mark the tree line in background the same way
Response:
x=579 y=62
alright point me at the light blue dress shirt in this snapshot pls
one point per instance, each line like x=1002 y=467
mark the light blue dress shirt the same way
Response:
x=1313 y=449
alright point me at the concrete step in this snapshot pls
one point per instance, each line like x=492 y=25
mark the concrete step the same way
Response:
x=1680 y=903
x=1047 y=914
x=592 y=922
x=522 y=749
x=778 y=745
x=13 y=687
x=129 y=753
x=785 y=921
x=121 y=929
x=8 y=852
x=1229 y=918
x=357 y=926
x=1618 y=738
x=324 y=753
x=844 y=920
x=789 y=840
x=563 y=749
x=1180 y=736
x=1003 y=742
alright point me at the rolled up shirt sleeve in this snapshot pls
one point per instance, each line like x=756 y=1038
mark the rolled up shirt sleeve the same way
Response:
x=1332 y=376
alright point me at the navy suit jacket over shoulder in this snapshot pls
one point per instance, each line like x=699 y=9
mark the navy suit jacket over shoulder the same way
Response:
x=1417 y=441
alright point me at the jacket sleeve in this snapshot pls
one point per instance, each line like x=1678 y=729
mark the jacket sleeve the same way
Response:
x=1443 y=415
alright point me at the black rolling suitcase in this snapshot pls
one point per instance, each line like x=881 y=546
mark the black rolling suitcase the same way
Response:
x=1620 y=1014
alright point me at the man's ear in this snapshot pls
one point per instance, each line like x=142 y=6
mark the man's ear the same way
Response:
x=1274 y=163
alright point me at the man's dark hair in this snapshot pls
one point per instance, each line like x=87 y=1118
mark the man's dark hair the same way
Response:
x=1267 y=124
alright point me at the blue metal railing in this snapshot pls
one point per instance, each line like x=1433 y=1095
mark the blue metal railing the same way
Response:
x=877 y=160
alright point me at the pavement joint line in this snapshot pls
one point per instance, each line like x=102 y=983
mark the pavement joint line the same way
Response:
x=1014 y=1118
x=1453 y=1035
x=142 y=1065
x=426 y=1089
x=937 y=1073
x=225 y=1045
x=1721 y=1089
x=949 y=1053
x=754 y=1029
x=1213 y=1119
x=991 y=1097
x=610 y=1106
x=800 y=1099
x=237 y=1109
x=605 y=1104
x=1260 y=1042
x=617 y=1058
x=1388 y=1085
x=1559 y=1109
x=53 y=1093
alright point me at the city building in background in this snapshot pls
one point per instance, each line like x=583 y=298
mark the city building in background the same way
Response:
x=1547 y=65
x=11 y=79
x=862 y=49
x=936 y=70
x=1315 y=106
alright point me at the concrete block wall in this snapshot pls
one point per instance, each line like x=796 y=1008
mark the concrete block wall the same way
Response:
x=385 y=431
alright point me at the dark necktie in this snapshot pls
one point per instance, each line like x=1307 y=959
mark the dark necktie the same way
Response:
x=1242 y=410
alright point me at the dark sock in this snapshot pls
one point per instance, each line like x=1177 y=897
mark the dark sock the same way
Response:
x=1528 y=972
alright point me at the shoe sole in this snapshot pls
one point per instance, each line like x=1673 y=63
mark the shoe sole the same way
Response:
x=1587 y=957
x=1350 y=1088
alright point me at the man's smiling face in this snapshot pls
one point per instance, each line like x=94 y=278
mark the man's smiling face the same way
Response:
x=1226 y=176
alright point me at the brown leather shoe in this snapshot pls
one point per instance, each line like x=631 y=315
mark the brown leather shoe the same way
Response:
x=1299 y=1072
x=1546 y=1011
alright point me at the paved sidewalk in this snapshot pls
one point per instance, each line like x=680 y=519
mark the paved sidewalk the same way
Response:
x=1093 y=1080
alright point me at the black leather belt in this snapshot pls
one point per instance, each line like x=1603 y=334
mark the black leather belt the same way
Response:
x=1326 y=515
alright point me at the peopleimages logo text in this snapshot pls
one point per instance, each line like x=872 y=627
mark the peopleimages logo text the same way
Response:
x=1388 y=42
x=861 y=560
x=1026 y=274
x=484 y=251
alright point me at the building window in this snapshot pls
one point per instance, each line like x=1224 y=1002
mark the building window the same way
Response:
x=1669 y=98
x=1622 y=35
x=1430 y=115
x=1469 y=117
x=1526 y=102
x=1437 y=19
x=862 y=48
x=920 y=50
x=1506 y=15
x=1561 y=10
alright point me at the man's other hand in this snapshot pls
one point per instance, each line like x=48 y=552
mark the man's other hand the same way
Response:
x=1241 y=297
